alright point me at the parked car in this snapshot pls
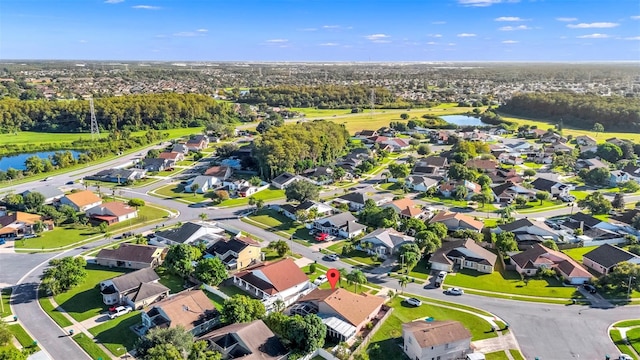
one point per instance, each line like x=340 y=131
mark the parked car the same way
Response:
x=590 y=288
x=30 y=236
x=320 y=280
x=440 y=278
x=70 y=182
x=454 y=291
x=119 y=311
x=2 y=241
x=331 y=257
x=413 y=301
x=567 y=198
x=625 y=357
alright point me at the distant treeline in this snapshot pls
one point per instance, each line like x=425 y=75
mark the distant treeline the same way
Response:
x=131 y=112
x=578 y=110
x=296 y=148
x=324 y=97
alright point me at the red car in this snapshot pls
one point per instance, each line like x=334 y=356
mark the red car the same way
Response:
x=322 y=237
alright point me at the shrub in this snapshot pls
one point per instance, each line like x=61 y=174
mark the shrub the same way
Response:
x=312 y=268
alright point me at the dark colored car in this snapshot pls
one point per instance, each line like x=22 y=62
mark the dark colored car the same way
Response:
x=590 y=288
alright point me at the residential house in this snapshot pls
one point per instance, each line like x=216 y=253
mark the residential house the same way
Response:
x=528 y=262
x=431 y=165
x=625 y=220
x=591 y=164
x=203 y=183
x=448 y=189
x=457 y=221
x=593 y=229
x=585 y=140
x=551 y=138
x=406 y=208
x=429 y=340
x=271 y=281
x=222 y=173
x=440 y=137
x=190 y=233
x=559 y=147
x=633 y=171
x=420 y=183
x=198 y=143
x=587 y=149
x=341 y=224
x=172 y=156
x=357 y=200
x=283 y=180
x=384 y=242
x=180 y=148
x=236 y=253
x=131 y=256
x=154 y=165
x=321 y=174
x=81 y=201
x=510 y=159
x=556 y=189
x=247 y=341
x=507 y=192
x=463 y=254
x=119 y=176
x=365 y=134
x=396 y=144
x=536 y=133
x=19 y=224
x=190 y=309
x=481 y=165
x=501 y=176
x=291 y=211
x=343 y=312
x=616 y=141
x=528 y=226
x=137 y=289
x=518 y=147
x=605 y=257
x=618 y=176
x=112 y=212
x=51 y=193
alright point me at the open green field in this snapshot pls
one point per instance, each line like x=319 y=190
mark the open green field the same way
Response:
x=389 y=335
x=574 y=132
x=509 y=282
x=85 y=301
x=71 y=234
x=116 y=334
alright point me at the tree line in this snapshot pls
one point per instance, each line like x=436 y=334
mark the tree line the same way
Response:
x=132 y=113
x=578 y=110
x=299 y=147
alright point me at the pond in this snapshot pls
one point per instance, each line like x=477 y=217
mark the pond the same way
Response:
x=463 y=120
x=17 y=161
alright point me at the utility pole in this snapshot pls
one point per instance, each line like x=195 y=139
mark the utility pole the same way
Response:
x=95 y=132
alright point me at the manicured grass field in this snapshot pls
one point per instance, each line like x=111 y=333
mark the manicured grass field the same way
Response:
x=231 y=290
x=450 y=202
x=32 y=137
x=509 y=282
x=176 y=192
x=85 y=301
x=516 y=355
x=90 y=347
x=21 y=335
x=266 y=195
x=390 y=333
x=174 y=282
x=497 y=355
x=71 y=234
x=616 y=337
x=6 y=296
x=116 y=334
x=627 y=323
x=577 y=253
x=535 y=206
x=215 y=299
x=54 y=314
x=356 y=255
x=633 y=336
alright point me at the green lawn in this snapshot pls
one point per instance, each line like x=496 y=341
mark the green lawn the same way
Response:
x=532 y=165
x=535 y=206
x=516 y=355
x=271 y=220
x=458 y=203
x=90 y=347
x=633 y=336
x=357 y=255
x=215 y=299
x=616 y=337
x=231 y=290
x=266 y=195
x=176 y=192
x=85 y=301
x=54 y=314
x=116 y=334
x=420 y=271
x=577 y=253
x=21 y=335
x=5 y=298
x=390 y=333
x=498 y=355
x=627 y=323
x=174 y=282
x=509 y=282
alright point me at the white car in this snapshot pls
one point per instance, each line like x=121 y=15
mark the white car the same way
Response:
x=332 y=257
x=413 y=301
x=119 y=311
x=454 y=291
x=625 y=357
x=320 y=280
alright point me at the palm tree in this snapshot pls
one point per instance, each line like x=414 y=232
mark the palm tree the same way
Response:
x=278 y=305
x=356 y=277
x=403 y=282
x=386 y=175
x=259 y=204
x=343 y=275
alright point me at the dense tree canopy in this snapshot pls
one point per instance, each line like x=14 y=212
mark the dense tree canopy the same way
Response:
x=299 y=147
x=302 y=191
x=241 y=308
x=180 y=259
x=63 y=274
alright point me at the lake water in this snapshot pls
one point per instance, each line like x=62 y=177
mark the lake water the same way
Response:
x=17 y=161
x=463 y=120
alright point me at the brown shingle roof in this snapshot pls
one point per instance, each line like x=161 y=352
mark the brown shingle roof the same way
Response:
x=118 y=208
x=186 y=308
x=168 y=155
x=20 y=216
x=435 y=333
x=83 y=198
x=446 y=215
x=255 y=337
x=130 y=252
x=282 y=275
x=354 y=308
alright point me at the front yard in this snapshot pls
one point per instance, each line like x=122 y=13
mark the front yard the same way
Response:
x=356 y=257
x=5 y=310
x=388 y=339
x=176 y=192
x=271 y=220
x=116 y=335
x=577 y=253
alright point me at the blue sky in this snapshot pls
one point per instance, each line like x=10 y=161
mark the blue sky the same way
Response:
x=321 y=30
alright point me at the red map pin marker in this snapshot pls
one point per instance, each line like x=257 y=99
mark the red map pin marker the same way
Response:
x=333 y=276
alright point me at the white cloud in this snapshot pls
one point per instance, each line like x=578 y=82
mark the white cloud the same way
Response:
x=113 y=1
x=510 y=42
x=451 y=44
x=438 y=22
x=466 y=35
x=146 y=7
x=331 y=26
x=277 y=41
x=593 y=36
x=633 y=38
x=509 y=18
x=185 y=34
x=329 y=44
x=595 y=25
x=202 y=30
x=435 y=35
x=514 y=28
x=635 y=17
x=483 y=3
x=308 y=29
x=378 y=38
x=82 y=41
x=432 y=43
x=566 y=19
